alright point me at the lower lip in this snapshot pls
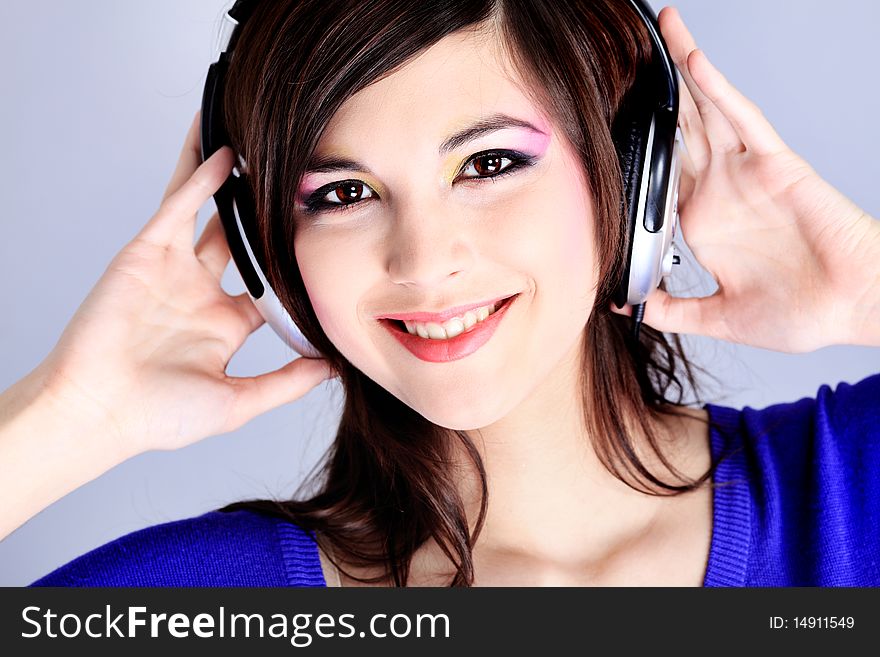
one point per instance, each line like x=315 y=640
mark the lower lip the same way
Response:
x=444 y=351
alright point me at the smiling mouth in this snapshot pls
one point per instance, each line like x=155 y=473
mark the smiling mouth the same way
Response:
x=400 y=326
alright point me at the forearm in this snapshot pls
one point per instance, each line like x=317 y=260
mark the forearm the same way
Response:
x=47 y=450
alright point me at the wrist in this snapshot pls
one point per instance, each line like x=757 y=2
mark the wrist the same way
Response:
x=77 y=414
x=47 y=449
x=863 y=325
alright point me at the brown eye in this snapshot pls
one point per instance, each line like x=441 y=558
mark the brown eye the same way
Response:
x=486 y=165
x=341 y=195
x=349 y=191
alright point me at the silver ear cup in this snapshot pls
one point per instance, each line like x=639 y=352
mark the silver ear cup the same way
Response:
x=653 y=253
x=670 y=254
x=270 y=307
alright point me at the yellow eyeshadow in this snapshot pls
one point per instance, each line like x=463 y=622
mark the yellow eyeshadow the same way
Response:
x=373 y=185
x=450 y=168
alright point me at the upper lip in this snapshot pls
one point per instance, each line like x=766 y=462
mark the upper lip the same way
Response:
x=439 y=318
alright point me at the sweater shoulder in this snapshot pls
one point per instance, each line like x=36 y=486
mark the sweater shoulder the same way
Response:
x=835 y=435
x=229 y=549
x=810 y=487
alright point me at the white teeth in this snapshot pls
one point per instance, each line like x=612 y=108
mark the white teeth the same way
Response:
x=452 y=327
x=435 y=331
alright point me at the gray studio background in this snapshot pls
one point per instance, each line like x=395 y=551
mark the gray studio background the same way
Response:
x=97 y=97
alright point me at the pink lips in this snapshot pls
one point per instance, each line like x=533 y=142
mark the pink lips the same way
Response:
x=439 y=318
x=443 y=351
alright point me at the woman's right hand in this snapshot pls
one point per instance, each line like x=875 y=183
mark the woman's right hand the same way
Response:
x=145 y=355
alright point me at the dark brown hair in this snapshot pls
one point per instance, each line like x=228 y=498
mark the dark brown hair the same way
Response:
x=388 y=483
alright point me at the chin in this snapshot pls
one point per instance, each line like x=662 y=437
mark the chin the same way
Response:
x=460 y=412
x=469 y=423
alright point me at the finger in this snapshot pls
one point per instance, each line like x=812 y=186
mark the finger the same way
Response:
x=692 y=128
x=189 y=160
x=259 y=394
x=669 y=314
x=720 y=134
x=753 y=129
x=174 y=223
x=212 y=249
x=249 y=319
x=686 y=186
x=249 y=313
x=689 y=119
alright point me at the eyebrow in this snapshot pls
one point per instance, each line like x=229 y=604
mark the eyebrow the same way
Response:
x=326 y=164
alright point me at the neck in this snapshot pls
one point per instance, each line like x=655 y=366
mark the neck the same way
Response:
x=552 y=503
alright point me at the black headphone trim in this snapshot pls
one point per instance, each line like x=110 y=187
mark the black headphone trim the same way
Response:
x=214 y=136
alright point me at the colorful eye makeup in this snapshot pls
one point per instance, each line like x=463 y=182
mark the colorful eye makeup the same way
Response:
x=485 y=165
x=529 y=145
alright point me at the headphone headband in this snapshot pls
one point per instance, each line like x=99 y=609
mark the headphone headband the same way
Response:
x=667 y=79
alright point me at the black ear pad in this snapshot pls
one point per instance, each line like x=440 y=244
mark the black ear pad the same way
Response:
x=630 y=134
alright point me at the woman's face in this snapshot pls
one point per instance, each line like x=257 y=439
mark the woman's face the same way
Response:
x=425 y=223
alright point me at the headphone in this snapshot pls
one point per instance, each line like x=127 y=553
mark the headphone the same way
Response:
x=645 y=135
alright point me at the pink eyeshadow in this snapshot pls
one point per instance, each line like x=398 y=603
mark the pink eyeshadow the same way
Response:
x=531 y=142
x=307 y=188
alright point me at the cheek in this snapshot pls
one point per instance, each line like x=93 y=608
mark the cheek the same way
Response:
x=330 y=279
x=574 y=226
x=577 y=221
x=577 y=224
x=547 y=231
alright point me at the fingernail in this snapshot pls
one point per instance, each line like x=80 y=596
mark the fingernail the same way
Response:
x=705 y=56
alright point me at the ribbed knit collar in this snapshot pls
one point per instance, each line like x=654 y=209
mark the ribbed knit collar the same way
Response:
x=302 y=564
x=732 y=503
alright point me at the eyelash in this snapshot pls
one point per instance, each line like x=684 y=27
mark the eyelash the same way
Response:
x=315 y=203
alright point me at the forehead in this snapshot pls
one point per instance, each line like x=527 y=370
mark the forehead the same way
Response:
x=464 y=76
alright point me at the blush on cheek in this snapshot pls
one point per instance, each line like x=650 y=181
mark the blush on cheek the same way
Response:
x=578 y=239
x=579 y=225
x=331 y=277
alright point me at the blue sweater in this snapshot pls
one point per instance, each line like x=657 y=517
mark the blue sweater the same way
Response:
x=801 y=508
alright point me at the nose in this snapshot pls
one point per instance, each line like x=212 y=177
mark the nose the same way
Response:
x=428 y=244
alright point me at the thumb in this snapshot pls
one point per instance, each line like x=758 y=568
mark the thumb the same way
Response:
x=670 y=314
x=255 y=395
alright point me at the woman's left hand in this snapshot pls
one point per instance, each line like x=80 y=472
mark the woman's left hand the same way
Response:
x=797 y=263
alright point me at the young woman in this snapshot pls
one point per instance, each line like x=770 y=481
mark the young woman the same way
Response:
x=550 y=453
